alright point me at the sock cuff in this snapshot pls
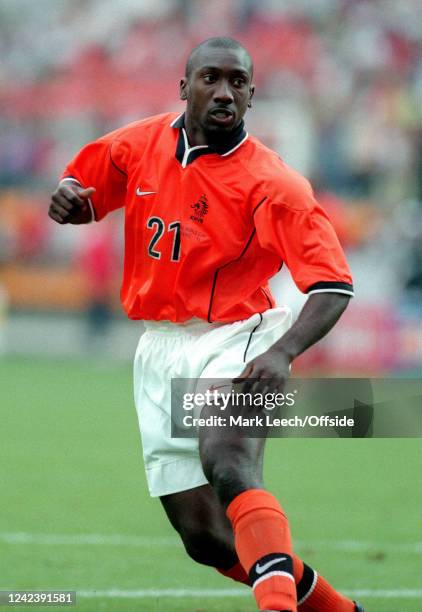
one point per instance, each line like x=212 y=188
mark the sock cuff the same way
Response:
x=306 y=584
x=250 y=501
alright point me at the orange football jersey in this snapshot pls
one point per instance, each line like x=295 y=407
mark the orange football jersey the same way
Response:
x=206 y=227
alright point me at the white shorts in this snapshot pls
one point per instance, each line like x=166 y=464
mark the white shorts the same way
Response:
x=193 y=350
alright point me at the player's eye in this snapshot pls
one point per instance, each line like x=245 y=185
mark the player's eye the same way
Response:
x=209 y=78
x=239 y=82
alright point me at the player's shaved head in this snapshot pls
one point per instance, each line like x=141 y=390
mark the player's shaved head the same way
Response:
x=220 y=42
x=218 y=89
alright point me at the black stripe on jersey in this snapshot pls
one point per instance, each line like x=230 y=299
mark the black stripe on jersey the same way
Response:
x=258 y=205
x=305 y=584
x=250 y=337
x=214 y=283
x=331 y=285
x=275 y=562
x=226 y=264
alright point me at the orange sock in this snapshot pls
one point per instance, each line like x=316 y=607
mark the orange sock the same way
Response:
x=314 y=593
x=263 y=544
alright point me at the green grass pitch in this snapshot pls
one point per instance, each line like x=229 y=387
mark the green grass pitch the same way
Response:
x=70 y=465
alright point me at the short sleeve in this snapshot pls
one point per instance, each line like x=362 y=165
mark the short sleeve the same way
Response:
x=298 y=230
x=101 y=164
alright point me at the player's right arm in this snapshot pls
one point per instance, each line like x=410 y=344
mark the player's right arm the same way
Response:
x=93 y=183
x=70 y=203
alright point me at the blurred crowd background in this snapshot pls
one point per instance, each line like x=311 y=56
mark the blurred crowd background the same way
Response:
x=339 y=96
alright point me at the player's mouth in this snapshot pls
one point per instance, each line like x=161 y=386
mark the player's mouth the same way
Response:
x=222 y=116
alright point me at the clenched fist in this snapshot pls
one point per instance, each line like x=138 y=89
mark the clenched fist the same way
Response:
x=69 y=204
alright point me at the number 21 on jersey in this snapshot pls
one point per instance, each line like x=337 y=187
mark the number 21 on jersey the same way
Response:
x=159 y=228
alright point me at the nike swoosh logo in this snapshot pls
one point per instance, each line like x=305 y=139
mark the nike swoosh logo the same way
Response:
x=260 y=569
x=212 y=388
x=142 y=193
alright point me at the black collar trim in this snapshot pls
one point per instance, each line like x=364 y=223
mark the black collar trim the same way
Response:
x=186 y=154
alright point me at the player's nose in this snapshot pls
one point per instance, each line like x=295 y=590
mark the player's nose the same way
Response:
x=223 y=93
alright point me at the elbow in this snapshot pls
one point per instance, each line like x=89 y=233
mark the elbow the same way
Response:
x=343 y=300
x=340 y=303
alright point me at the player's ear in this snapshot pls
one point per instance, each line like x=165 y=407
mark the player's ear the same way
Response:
x=183 y=88
x=251 y=93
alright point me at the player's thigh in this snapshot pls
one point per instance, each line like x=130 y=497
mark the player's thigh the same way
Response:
x=227 y=448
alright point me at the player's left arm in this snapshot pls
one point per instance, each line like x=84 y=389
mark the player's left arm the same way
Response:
x=296 y=228
x=319 y=314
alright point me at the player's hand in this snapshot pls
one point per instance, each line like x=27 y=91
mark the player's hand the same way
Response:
x=267 y=373
x=69 y=204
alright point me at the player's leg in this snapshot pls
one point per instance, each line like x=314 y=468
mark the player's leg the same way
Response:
x=203 y=526
x=233 y=466
x=151 y=398
x=207 y=535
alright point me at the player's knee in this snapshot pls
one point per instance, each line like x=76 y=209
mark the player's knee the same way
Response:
x=229 y=470
x=228 y=481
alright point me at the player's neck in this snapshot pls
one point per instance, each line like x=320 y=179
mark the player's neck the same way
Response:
x=197 y=136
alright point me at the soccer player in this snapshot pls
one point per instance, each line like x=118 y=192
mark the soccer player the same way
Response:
x=210 y=215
